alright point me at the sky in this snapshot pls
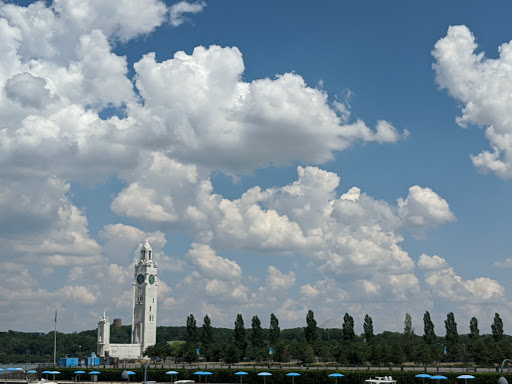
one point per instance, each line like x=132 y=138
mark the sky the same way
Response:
x=343 y=157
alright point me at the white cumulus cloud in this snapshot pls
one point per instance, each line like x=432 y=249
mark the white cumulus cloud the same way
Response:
x=482 y=85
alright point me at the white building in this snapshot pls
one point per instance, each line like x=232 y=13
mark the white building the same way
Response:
x=145 y=287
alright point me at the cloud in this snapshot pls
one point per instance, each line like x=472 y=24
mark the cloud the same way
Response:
x=507 y=263
x=276 y=280
x=309 y=291
x=212 y=266
x=44 y=29
x=178 y=10
x=481 y=85
x=122 y=243
x=174 y=124
x=213 y=119
x=28 y=90
x=445 y=283
x=424 y=208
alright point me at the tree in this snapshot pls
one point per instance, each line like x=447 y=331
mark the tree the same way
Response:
x=324 y=352
x=480 y=351
x=474 y=332
x=192 y=335
x=275 y=331
x=310 y=330
x=189 y=353
x=452 y=337
x=304 y=353
x=207 y=333
x=348 y=328
x=257 y=333
x=216 y=352
x=232 y=354
x=281 y=351
x=497 y=328
x=425 y=355
x=397 y=354
x=429 y=334
x=374 y=356
x=408 y=329
x=368 y=329
x=408 y=337
x=239 y=336
x=176 y=348
x=430 y=338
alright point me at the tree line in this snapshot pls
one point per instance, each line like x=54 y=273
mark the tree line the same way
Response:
x=342 y=346
x=307 y=344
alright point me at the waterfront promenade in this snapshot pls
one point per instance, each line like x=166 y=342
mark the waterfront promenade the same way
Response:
x=297 y=367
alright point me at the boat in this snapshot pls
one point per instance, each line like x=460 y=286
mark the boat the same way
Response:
x=381 y=380
x=42 y=381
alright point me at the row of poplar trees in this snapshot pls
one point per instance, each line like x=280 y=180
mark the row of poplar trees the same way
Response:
x=312 y=343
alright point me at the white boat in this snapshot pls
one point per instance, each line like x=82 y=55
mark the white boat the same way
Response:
x=42 y=381
x=381 y=380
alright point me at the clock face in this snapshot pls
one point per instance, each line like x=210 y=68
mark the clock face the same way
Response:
x=151 y=279
x=140 y=278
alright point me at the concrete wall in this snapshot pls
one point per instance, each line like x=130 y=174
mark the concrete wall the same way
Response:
x=125 y=351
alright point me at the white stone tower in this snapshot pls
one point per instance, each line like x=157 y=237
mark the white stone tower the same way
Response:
x=103 y=336
x=145 y=286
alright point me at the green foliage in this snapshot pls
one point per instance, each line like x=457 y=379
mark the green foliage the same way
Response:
x=224 y=344
x=497 y=328
x=161 y=350
x=207 y=338
x=257 y=333
x=425 y=355
x=215 y=352
x=275 y=331
x=304 y=352
x=176 y=348
x=396 y=355
x=192 y=334
x=428 y=329
x=310 y=330
x=232 y=354
x=409 y=336
x=240 y=339
x=452 y=337
x=368 y=328
x=474 y=332
x=325 y=352
x=189 y=352
x=207 y=331
x=281 y=351
x=348 y=328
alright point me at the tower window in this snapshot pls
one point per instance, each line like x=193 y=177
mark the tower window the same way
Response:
x=150 y=308
x=149 y=254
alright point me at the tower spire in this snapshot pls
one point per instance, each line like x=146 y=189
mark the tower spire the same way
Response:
x=146 y=252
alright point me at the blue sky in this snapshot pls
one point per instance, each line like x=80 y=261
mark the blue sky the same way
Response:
x=279 y=156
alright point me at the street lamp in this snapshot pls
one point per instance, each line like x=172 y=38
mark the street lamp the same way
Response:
x=502 y=379
x=145 y=365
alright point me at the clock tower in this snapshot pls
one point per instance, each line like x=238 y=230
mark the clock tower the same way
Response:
x=145 y=286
